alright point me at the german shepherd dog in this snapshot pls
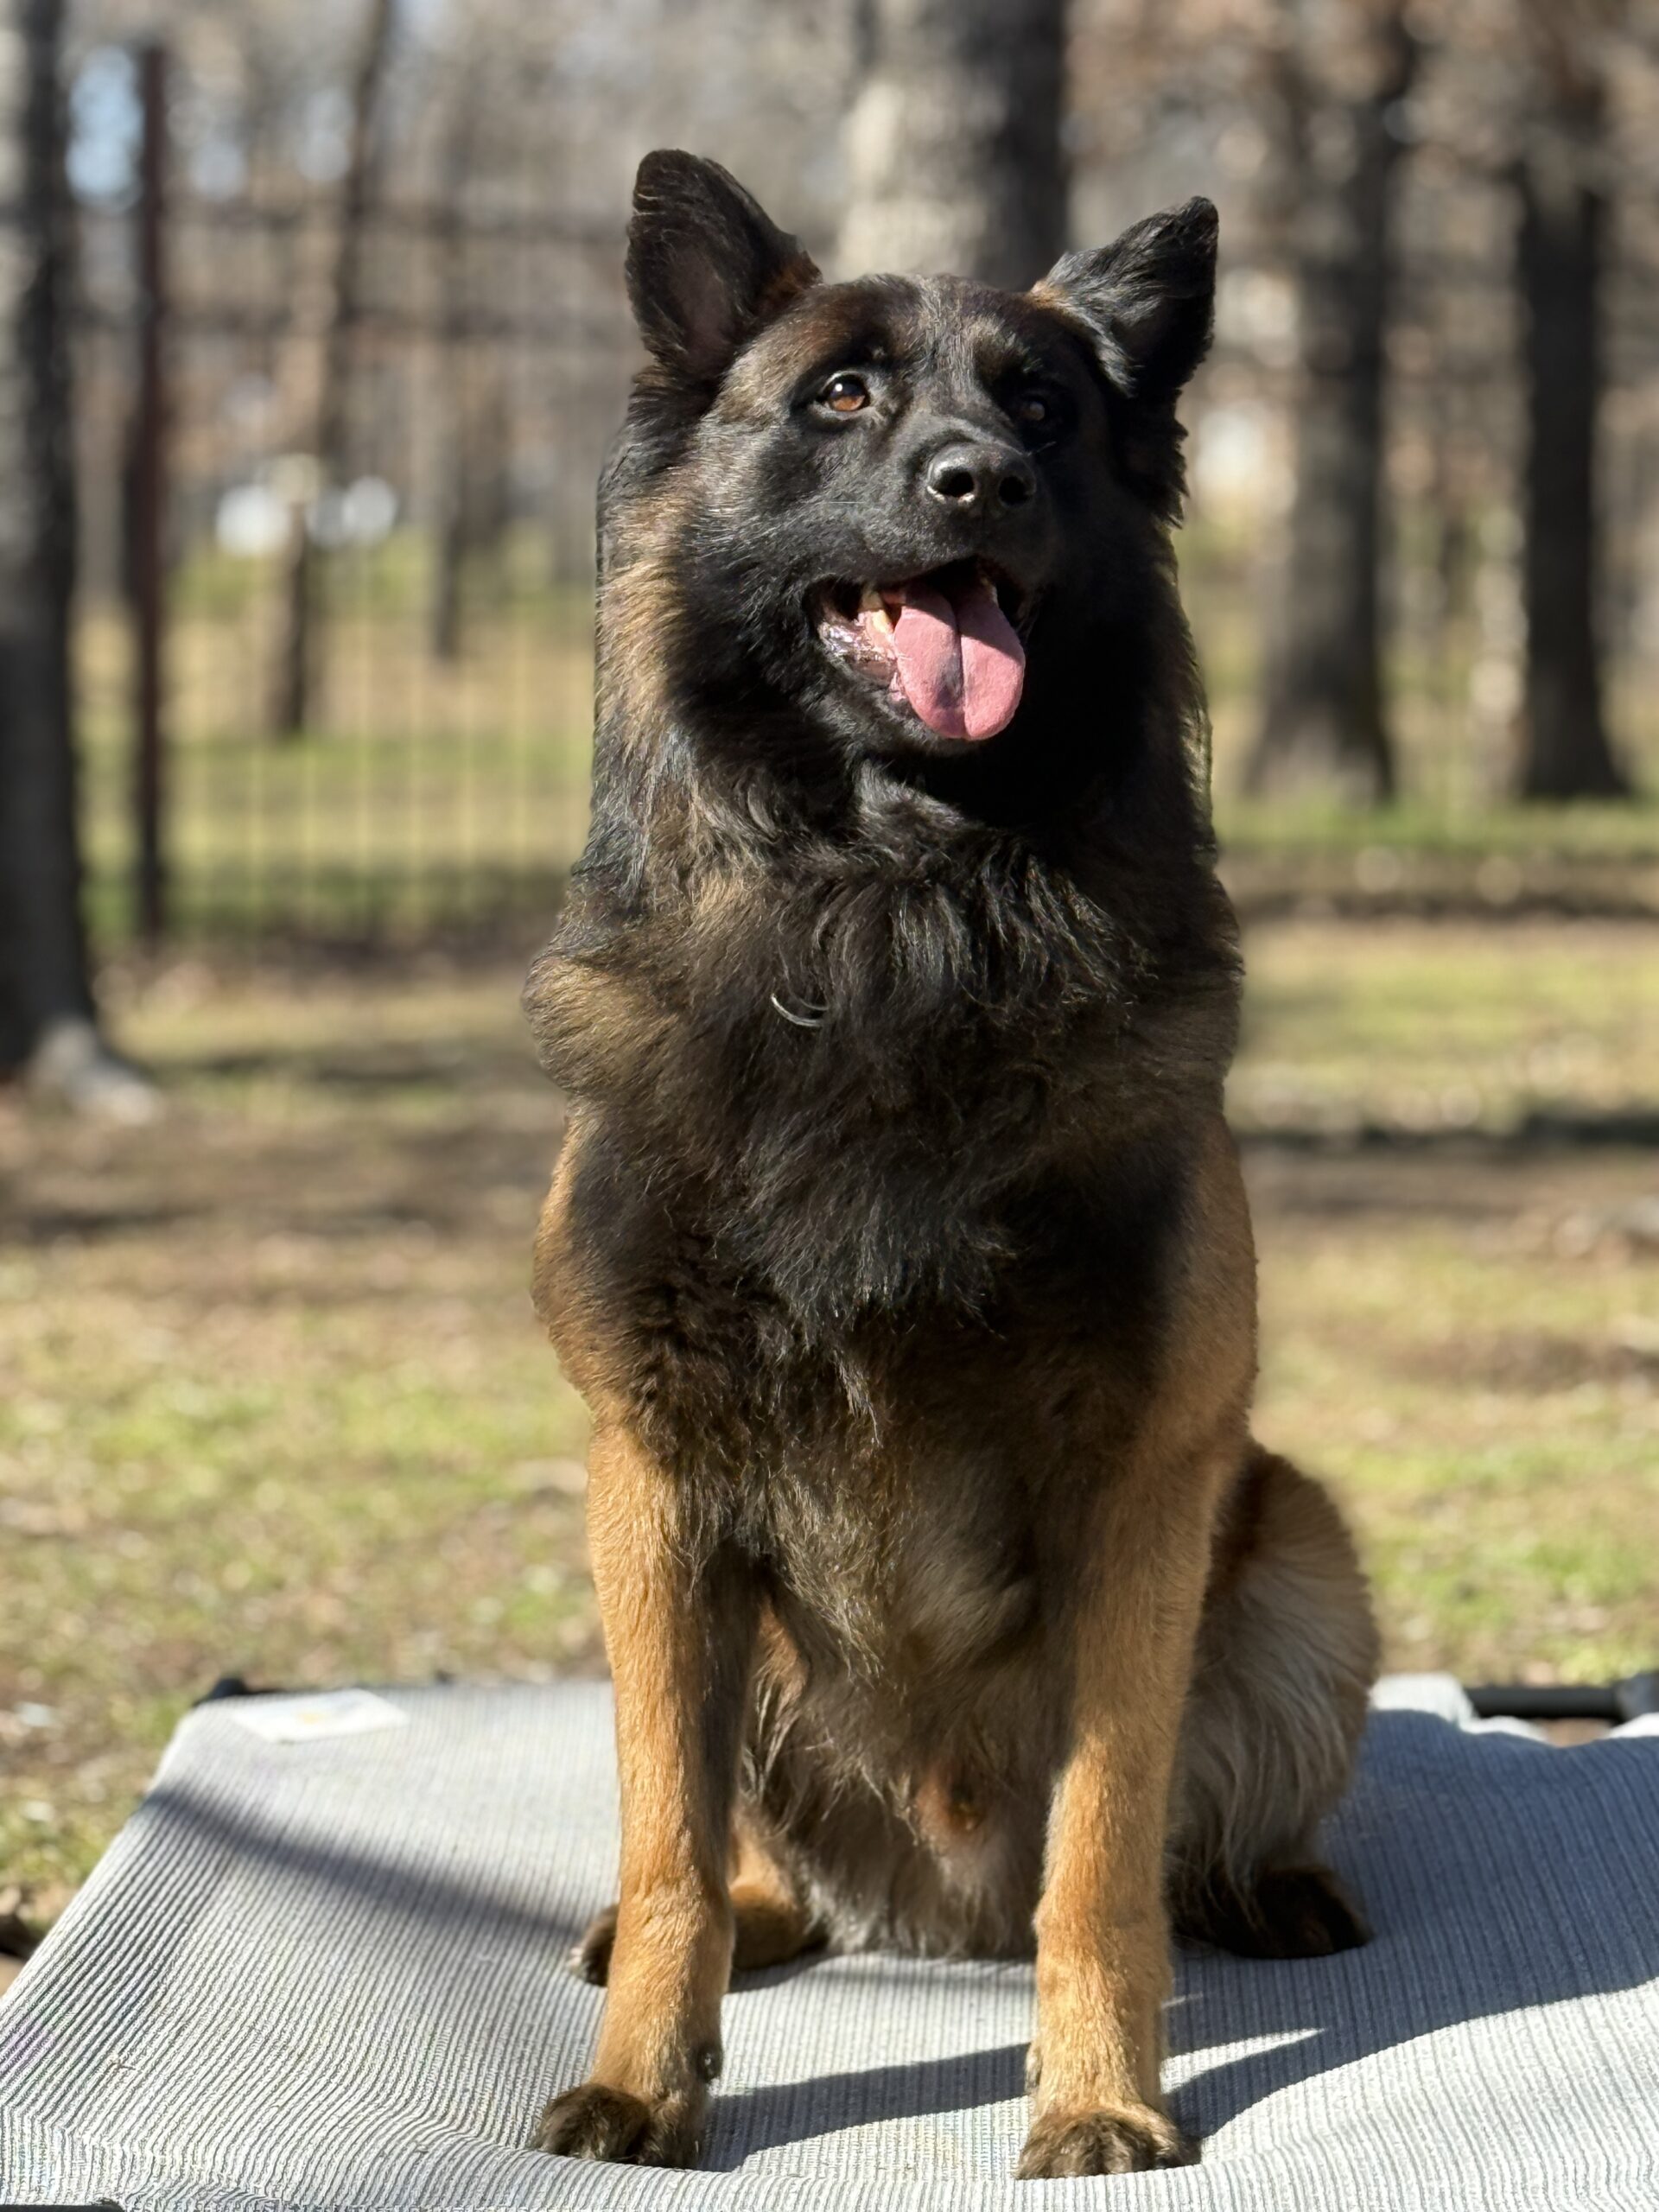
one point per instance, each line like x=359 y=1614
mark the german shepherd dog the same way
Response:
x=898 y=1243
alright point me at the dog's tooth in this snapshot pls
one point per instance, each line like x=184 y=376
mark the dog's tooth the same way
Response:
x=871 y=600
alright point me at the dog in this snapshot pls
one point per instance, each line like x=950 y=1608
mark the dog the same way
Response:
x=898 y=1243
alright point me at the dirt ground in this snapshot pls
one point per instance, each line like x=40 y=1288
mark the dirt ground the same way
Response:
x=272 y=1401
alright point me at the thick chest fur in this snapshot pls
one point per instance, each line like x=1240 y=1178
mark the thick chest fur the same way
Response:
x=850 y=1096
x=913 y=1557
x=885 y=1295
x=647 y=1281
x=893 y=1474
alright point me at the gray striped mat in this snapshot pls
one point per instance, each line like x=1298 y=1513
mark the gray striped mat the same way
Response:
x=328 y=1974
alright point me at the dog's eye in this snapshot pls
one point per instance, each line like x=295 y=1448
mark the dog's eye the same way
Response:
x=1031 y=407
x=845 y=394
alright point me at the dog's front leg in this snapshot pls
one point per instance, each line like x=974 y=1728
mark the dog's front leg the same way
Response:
x=679 y=1625
x=1103 y=1943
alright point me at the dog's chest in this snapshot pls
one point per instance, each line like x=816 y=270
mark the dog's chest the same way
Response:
x=913 y=1564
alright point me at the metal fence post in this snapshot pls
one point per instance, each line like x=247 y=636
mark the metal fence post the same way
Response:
x=149 y=501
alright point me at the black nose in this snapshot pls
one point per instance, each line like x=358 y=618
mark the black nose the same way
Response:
x=981 y=479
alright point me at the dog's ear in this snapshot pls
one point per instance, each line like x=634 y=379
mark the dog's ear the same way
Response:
x=706 y=266
x=1147 y=301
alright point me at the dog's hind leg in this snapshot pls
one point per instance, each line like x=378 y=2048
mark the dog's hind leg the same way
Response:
x=1286 y=1652
x=590 y=1956
x=774 y=1924
x=770 y=1924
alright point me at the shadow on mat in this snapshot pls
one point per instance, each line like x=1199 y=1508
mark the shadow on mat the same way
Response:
x=1494 y=1899
x=747 y=2121
x=1483 y=1918
x=1498 y=1901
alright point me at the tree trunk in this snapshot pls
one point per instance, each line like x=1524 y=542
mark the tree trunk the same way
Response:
x=1565 y=751
x=449 y=551
x=473 y=504
x=298 y=654
x=451 y=518
x=1323 y=722
x=43 y=964
x=953 y=144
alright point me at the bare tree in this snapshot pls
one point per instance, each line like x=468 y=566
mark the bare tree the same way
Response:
x=47 y=1021
x=472 y=501
x=1343 y=69
x=954 y=140
x=1562 y=211
x=297 y=666
x=44 y=944
x=473 y=427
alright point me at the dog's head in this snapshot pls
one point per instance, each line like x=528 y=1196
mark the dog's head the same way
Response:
x=898 y=507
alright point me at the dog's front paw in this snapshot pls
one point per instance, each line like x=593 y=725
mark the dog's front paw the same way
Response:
x=1126 y=2140
x=598 y=2122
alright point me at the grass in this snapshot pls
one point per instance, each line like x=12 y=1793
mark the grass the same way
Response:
x=272 y=1399
x=1596 y=830
x=1422 y=1028
x=1459 y=1313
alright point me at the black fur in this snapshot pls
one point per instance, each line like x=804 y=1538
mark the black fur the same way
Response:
x=898 y=1246
x=1012 y=970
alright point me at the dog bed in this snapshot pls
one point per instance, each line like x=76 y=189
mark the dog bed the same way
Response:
x=323 y=1967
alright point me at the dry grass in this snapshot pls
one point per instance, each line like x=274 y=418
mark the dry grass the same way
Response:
x=1461 y=1304
x=272 y=1399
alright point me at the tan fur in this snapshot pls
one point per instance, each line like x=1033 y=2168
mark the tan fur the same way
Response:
x=659 y=2040
x=949 y=1604
x=1217 y=1665
x=1103 y=1949
x=773 y=1923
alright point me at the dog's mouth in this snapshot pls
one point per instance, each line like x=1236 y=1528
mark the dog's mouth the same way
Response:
x=945 y=644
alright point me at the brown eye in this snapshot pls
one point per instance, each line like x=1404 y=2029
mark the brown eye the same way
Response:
x=1032 y=408
x=845 y=394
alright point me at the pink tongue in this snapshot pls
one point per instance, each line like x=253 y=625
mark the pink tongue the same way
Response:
x=962 y=665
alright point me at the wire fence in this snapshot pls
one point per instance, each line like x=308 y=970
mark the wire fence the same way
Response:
x=415 y=763
x=433 y=779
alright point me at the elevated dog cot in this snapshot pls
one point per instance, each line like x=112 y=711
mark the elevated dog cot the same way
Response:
x=323 y=1967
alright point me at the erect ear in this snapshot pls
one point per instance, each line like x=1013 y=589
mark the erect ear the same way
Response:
x=1148 y=301
x=706 y=266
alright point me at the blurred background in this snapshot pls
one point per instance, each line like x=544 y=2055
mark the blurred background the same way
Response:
x=312 y=332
